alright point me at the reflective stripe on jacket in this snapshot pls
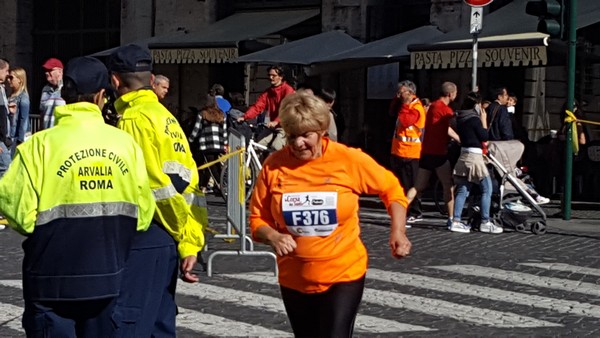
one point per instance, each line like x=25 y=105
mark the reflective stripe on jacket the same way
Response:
x=82 y=194
x=172 y=171
x=406 y=142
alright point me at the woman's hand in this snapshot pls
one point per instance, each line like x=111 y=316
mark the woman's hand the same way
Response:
x=283 y=244
x=399 y=244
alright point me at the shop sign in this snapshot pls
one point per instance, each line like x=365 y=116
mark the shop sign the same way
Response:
x=488 y=57
x=194 y=55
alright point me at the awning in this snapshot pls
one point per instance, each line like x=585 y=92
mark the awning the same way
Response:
x=387 y=50
x=390 y=48
x=509 y=38
x=219 y=41
x=526 y=49
x=305 y=51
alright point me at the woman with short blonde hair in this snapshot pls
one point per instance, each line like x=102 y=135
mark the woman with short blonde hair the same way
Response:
x=305 y=206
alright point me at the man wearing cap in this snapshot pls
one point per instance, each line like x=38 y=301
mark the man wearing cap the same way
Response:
x=151 y=276
x=82 y=196
x=51 y=97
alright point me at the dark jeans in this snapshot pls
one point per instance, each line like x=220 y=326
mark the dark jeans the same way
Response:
x=327 y=314
x=146 y=306
x=89 y=318
x=406 y=170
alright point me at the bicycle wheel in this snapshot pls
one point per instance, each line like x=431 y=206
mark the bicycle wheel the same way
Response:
x=251 y=175
x=223 y=184
x=250 y=180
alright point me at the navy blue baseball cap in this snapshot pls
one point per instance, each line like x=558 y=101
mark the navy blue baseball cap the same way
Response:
x=130 y=59
x=88 y=73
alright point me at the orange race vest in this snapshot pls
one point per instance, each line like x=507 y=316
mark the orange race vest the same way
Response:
x=408 y=139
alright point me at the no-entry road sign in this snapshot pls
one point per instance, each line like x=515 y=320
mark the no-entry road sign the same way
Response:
x=478 y=3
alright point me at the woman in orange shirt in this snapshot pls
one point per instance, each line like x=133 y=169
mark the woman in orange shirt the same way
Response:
x=305 y=206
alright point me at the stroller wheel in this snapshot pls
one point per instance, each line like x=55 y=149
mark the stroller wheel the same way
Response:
x=521 y=227
x=538 y=228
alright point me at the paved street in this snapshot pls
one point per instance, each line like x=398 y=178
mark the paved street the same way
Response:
x=452 y=285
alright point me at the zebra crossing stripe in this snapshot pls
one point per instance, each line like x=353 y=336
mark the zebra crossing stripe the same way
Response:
x=433 y=307
x=463 y=313
x=449 y=286
x=523 y=278
x=217 y=326
x=206 y=323
x=564 y=267
x=10 y=317
x=272 y=304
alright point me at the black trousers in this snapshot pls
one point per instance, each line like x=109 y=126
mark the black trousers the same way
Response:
x=406 y=170
x=324 y=315
x=215 y=169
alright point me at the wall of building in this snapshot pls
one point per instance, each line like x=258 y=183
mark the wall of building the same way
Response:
x=146 y=18
x=16 y=43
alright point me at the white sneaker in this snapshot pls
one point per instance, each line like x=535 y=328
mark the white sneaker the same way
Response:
x=541 y=200
x=2 y=226
x=460 y=227
x=490 y=227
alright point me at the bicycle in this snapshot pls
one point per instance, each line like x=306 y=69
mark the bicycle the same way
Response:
x=254 y=155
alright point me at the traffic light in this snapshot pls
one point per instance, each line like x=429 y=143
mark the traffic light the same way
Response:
x=550 y=14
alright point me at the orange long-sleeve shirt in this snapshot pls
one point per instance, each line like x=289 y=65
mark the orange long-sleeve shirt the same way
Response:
x=287 y=184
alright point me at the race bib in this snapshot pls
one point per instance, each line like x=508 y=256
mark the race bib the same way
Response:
x=310 y=213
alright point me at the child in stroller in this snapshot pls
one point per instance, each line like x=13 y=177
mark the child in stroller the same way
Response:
x=517 y=202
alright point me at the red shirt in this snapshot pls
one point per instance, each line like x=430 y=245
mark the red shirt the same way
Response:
x=269 y=100
x=437 y=122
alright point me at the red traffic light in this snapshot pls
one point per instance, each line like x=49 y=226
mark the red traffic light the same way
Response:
x=478 y=3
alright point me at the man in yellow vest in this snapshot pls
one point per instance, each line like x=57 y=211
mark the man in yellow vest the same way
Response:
x=146 y=306
x=80 y=193
x=406 y=143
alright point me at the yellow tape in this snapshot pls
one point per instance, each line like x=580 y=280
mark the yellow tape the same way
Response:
x=242 y=181
x=571 y=118
x=221 y=158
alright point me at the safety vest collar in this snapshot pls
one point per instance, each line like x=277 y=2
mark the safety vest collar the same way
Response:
x=78 y=110
x=134 y=97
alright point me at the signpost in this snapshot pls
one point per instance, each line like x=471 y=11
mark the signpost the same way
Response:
x=475 y=27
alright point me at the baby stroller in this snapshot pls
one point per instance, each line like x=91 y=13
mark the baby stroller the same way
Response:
x=516 y=208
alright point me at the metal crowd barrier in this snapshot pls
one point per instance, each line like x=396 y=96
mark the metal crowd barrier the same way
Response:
x=236 y=207
x=35 y=123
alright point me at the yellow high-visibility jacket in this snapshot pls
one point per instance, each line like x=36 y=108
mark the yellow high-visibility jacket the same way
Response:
x=79 y=191
x=180 y=205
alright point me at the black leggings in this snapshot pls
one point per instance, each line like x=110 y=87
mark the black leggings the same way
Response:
x=327 y=314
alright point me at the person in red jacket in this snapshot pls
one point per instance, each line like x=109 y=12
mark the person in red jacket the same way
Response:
x=269 y=102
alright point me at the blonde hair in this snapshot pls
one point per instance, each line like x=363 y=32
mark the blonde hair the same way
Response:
x=302 y=112
x=20 y=74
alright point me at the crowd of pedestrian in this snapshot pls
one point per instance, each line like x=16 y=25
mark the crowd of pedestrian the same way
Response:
x=129 y=201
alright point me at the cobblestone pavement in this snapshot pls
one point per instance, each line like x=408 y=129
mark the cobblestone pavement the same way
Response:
x=467 y=285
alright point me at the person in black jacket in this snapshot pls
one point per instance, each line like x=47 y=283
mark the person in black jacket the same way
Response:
x=5 y=141
x=471 y=168
x=498 y=118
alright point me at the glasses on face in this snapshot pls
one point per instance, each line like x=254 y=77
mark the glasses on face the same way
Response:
x=271 y=75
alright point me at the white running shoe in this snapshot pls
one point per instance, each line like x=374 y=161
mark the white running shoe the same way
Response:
x=541 y=200
x=460 y=227
x=490 y=228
